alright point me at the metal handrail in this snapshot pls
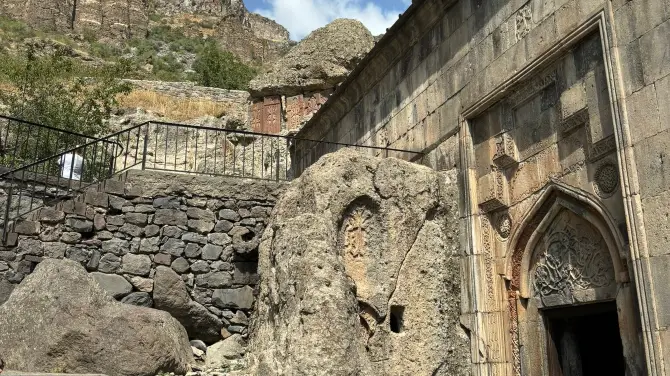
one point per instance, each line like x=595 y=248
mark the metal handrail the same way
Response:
x=23 y=142
x=163 y=146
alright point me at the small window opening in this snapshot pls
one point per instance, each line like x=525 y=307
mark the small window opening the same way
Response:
x=396 y=321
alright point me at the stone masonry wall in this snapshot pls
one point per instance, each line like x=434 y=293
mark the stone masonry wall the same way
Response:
x=191 y=90
x=206 y=229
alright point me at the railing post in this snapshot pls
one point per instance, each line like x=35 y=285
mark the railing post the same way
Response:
x=145 y=146
x=278 y=164
x=8 y=204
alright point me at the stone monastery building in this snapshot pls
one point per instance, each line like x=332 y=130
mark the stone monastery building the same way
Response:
x=555 y=116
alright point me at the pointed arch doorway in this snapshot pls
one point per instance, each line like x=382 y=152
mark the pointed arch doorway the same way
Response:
x=571 y=305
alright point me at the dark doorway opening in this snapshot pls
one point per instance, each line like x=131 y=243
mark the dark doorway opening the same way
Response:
x=584 y=341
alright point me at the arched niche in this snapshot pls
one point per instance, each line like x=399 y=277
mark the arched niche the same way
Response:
x=565 y=257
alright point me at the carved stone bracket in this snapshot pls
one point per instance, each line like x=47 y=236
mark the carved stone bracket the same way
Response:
x=575 y=120
x=493 y=191
x=505 y=152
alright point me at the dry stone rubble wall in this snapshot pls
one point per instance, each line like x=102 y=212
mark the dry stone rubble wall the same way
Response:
x=206 y=230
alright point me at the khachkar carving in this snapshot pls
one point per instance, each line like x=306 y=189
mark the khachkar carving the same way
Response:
x=606 y=180
x=272 y=115
x=355 y=228
x=524 y=19
x=257 y=116
x=294 y=112
x=575 y=257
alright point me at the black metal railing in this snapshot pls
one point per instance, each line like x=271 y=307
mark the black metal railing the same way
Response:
x=23 y=142
x=163 y=147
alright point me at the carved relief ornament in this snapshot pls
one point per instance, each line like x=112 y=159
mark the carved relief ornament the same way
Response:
x=571 y=258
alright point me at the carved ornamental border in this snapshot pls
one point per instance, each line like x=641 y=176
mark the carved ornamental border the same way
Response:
x=621 y=140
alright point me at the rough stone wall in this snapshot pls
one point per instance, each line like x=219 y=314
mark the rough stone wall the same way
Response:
x=206 y=229
x=191 y=90
x=237 y=103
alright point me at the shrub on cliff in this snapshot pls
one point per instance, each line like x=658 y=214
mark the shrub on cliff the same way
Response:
x=215 y=67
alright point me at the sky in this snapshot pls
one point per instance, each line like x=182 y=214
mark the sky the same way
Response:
x=301 y=17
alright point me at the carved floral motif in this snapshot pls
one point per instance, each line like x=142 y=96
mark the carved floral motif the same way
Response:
x=575 y=257
x=504 y=225
x=488 y=259
x=524 y=19
x=606 y=180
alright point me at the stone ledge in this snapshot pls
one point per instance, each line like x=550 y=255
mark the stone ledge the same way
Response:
x=158 y=183
x=17 y=373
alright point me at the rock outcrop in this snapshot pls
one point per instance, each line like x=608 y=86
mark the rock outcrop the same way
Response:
x=170 y=295
x=59 y=318
x=360 y=273
x=318 y=62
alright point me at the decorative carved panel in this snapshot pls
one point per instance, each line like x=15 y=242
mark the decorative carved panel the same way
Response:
x=572 y=263
x=266 y=115
x=524 y=20
x=294 y=112
x=575 y=120
x=606 y=179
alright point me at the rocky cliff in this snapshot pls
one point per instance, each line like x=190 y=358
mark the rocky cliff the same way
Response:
x=248 y=35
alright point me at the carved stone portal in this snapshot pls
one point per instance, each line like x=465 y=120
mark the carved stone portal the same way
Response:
x=572 y=263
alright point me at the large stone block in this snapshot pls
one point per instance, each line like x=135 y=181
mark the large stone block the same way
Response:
x=655 y=51
x=170 y=295
x=115 y=285
x=136 y=264
x=172 y=217
x=240 y=298
x=643 y=113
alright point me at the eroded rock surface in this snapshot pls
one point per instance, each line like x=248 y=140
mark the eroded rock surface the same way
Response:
x=360 y=273
x=320 y=61
x=60 y=318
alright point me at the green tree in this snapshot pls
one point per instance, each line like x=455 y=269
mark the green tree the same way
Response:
x=215 y=67
x=59 y=92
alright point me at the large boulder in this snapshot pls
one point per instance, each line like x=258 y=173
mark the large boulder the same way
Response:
x=6 y=289
x=170 y=295
x=360 y=273
x=320 y=61
x=60 y=318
